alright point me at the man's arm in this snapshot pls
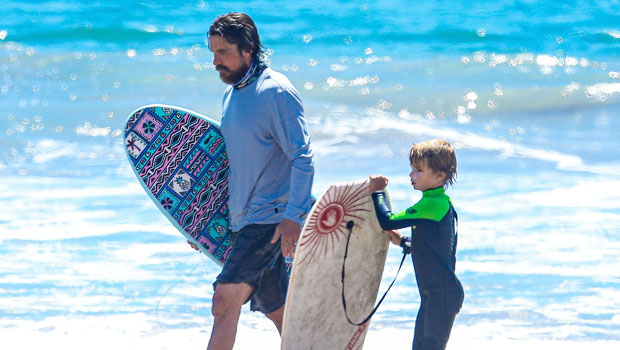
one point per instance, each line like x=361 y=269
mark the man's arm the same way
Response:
x=292 y=136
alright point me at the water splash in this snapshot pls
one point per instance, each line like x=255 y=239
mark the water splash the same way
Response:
x=338 y=67
x=92 y=130
x=613 y=33
x=310 y=85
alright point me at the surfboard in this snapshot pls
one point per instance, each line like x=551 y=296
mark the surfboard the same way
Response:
x=314 y=315
x=179 y=158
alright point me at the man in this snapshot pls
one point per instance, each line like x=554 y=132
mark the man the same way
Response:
x=271 y=173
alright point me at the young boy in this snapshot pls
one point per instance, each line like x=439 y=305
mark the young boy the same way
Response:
x=432 y=242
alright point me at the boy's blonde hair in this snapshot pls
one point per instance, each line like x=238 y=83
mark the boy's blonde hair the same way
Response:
x=438 y=155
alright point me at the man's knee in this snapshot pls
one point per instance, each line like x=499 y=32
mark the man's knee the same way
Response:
x=229 y=298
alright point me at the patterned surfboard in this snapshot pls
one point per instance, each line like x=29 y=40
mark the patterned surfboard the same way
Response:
x=314 y=315
x=179 y=157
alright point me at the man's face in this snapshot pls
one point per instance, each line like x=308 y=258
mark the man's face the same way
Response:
x=227 y=59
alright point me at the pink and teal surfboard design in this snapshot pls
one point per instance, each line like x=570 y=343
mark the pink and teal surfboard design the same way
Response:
x=179 y=157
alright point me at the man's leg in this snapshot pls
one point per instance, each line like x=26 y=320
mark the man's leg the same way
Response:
x=226 y=308
x=276 y=318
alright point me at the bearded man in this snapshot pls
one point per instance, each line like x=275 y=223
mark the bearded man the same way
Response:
x=270 y=179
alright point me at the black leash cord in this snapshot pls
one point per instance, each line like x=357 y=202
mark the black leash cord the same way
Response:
x=350 y=225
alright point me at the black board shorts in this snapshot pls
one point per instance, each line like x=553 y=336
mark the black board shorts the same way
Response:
x=254 y=260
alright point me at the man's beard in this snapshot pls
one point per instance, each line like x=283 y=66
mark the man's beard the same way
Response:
x=232 y=77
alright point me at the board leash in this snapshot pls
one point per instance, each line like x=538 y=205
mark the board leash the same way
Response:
x=171 y=288
x=406 y=251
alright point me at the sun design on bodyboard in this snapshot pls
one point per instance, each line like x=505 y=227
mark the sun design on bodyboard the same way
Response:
x=328 y=222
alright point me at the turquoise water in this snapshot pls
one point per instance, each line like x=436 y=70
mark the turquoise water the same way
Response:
x=529 y=92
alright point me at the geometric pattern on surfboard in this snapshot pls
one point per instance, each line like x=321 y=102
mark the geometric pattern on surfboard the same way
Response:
x=180 y=159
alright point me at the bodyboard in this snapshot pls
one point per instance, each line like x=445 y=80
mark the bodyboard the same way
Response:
x=314 y=315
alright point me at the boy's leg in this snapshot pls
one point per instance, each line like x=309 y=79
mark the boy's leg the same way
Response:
x=440 y=310
x=418 y=334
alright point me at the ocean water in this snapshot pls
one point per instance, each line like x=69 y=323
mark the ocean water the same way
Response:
x=528 y=91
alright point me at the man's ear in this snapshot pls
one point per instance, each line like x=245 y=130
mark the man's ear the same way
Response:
x=248 y=53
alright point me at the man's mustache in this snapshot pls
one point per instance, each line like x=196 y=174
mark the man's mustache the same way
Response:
x=221 y=68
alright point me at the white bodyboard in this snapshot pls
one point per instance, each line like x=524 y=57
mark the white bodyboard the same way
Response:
x=314 y=316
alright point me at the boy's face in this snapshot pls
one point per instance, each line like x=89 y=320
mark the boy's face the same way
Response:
x=424 y=178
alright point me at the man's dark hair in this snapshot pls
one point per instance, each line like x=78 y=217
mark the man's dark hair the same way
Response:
x=238 y=28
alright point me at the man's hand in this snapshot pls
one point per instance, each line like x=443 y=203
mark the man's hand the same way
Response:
x=288 y=232
x=378 y=183
x=193 y=246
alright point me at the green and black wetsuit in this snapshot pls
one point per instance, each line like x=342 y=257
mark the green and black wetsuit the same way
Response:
x=433 y=250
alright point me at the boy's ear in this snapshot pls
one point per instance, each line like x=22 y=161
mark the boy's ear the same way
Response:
x=442 y=175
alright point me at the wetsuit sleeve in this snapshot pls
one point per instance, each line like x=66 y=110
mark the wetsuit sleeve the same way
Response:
x=387 y=220
x=425 y=209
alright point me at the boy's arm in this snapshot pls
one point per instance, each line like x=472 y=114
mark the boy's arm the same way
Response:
x=384 y=214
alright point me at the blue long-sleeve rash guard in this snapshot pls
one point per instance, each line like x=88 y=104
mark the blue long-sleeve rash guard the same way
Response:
x=268 y=145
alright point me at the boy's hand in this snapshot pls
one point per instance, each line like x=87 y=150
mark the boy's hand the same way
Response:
x=378 y=182
x=395 y=236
